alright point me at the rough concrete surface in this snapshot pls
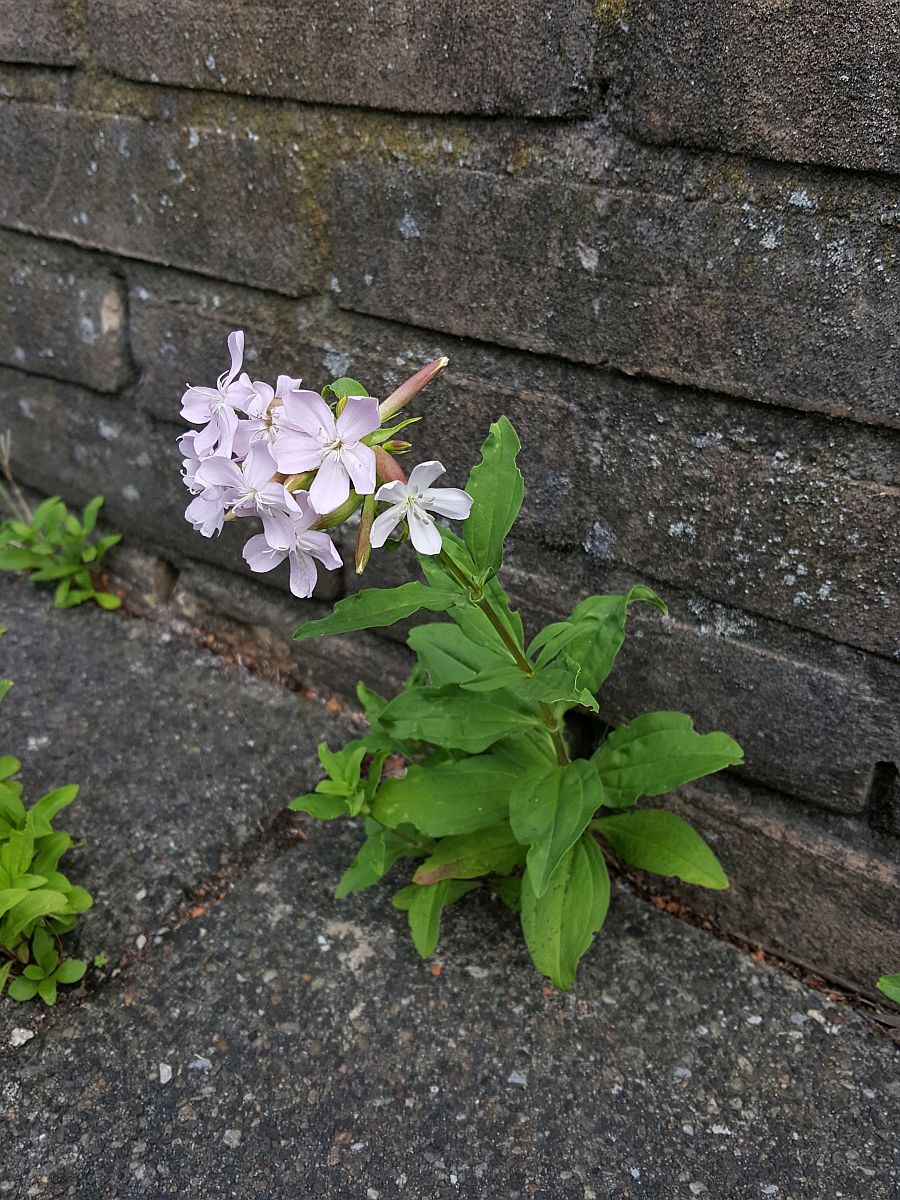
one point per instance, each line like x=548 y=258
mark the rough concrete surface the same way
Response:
x=281 y=1043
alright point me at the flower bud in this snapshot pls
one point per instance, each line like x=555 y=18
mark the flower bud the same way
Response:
x=396 y=446
x=406 y=391
x=363 y=545
x=387 y=467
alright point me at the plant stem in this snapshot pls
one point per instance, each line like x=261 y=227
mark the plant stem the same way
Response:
x=559 y=745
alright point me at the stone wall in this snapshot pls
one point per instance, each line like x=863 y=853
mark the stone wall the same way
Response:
x=663 y=238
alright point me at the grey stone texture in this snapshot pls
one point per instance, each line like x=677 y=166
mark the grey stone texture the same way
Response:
x=661 y=238
x=270 y=1040
x=38 y=31
x=802 y=81
x=397 y=55
x=61 y=316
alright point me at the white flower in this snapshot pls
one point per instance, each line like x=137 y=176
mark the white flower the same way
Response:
x=413 y=502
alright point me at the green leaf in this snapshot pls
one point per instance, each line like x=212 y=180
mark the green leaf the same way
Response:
x=107 y=600
x=453 y=718
x=5 y=685
x=495 y=678
x=35 y=904
x=89 y=519
x=17 y=853
x=323 y=808
x=593 y=635
x=423 y=907
x=889 y=984
x=380 y=436
x=18 y=560
x=451 y=798
x=47 y=990
x=4 y=974
x=492 y=851
x=71 y=970
x=43 y=950
x=48 y=851
x=557 y=684
x=10 y=897
x=660 y=841
x=449 y=656
x=44 y=810
x=657 y=752
x=344 y=387
x=22 y=989
x=376 y=608
x=560 y=925
x=372 y=703
x=549 y=812
x=78 y=899
x=378 y=853
x=497 y=488
x=9 y=766
x=532 y=748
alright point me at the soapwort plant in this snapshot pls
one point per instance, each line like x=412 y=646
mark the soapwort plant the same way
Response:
x=51 y=545
x=38 y=904
x=491 y=794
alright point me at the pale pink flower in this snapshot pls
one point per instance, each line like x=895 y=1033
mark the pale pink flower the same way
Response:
x=214 y=408
x=250 y=491
x=262 y=425
x=305 y=547
x=310 y=438
x=206 y=512
x=413 y=502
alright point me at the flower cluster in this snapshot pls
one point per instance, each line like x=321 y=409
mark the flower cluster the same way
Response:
x=303 y=465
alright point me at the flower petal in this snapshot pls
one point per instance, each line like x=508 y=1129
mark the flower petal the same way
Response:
x=296 y=451
x=360 y=416
x=449 y=502
x=254 y=398
x=236 y=350
x=423 y=533
x=278 y=529
x=285 y=384
x=424 y=475
x=196 y=404
x=259 y=465
x=331 y=486
x=359 y=461
x=394 y=492
x=309 y=413
x=219 y=471
x=260 y=556
x=320 y=546
x=385 y=524
x=303 y=574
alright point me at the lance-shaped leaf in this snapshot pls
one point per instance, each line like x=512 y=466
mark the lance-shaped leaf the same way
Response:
x=376 y=608
x=890 y=985
x=454 y=719
x=35 y=904
x=657 y=840
x=559 y=926
x=592 y=635
x=657 y=752
x=448 y=656
x=549 y=811
x=378 y=853
x=492 y=851
x=450 y=798
x=497 y=487
x=423 y=907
